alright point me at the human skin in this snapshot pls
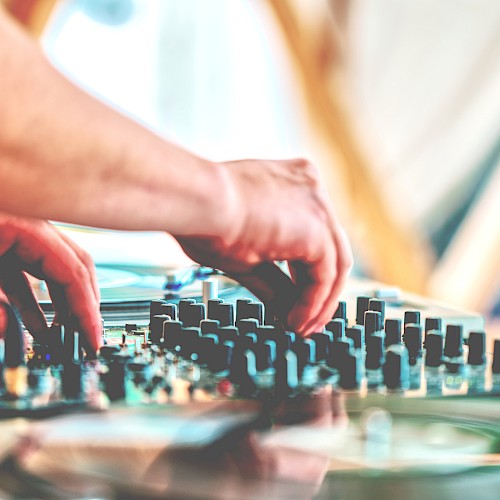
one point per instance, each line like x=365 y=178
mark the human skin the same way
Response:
x=66 y=156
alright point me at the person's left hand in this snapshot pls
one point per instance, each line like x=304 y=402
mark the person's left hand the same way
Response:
x=37 y=248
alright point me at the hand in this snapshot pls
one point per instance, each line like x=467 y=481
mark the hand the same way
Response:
x=279 y=212
x=35 y=247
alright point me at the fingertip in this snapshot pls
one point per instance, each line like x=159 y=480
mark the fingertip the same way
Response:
x=316 y=328
x=92 y=329
x=297 y=318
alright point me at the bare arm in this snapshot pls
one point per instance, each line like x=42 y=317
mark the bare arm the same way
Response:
x=66 y=156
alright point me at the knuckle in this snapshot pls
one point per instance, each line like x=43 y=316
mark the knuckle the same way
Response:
x=302 y=163
x=87 y=259
x=346 y=260
x=80 y=274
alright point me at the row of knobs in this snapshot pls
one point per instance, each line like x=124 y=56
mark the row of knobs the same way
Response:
x=217 y=334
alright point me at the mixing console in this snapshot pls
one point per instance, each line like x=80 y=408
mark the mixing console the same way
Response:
x=214 y=349
x=393 y=391
x=225 y=349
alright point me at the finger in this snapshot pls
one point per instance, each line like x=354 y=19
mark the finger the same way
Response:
x=344 y=265
x=50 y=258
x=65 y=314
x=314 y=280
x=87 y=261
x=17 y=288
x=266 y=280
x=271 y=285
x=60 y=305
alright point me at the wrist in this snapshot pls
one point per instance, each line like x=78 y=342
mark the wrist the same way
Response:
x=220 y=203
x=211 y=202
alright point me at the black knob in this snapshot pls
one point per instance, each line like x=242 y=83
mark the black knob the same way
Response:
x=396 y=367
x=392 y=332
x=284 y=341
x=266 y=332
x=245 y=342
x=433 y=324
x=287 y=374
x=114 y=378
x=107 y=351
x=337 y=327
x=341 y=312
x=477 y=348
x=246 y=309
x=228 y=333
x=191 y=314
x=184 y=306
x=413 y=341
x=156 y=328
x=155 y=308
x=265 y=354
x=412 y=317
x=131 y=327
x=206 y=349
x=172 y=331
x=361 y=308
x=241 y=310
x=212 y=305
x=169 y=309
x=305 y=349
x=221 y=357
x=434 y=349
x=357 y=334
x=338 y=351
x=222 y=312
x=243 y=370
x=247 y=326
x=453 y=342
x=188 y=341
x=374 y=351
x=373 y=322
x=350 y=371
x=323 y=341
x=209 y=326
x=379 y=306
x=495 y=366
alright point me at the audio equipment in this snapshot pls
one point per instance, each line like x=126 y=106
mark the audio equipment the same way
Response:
x=396 y=395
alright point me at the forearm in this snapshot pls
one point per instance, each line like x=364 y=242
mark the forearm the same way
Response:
x=66 y=156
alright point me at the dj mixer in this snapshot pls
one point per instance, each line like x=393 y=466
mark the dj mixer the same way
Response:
x=409 y=385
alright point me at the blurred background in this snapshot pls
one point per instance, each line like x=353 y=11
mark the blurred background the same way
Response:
x=397 y=102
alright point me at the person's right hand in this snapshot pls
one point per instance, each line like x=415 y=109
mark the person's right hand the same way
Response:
x=278 y=211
